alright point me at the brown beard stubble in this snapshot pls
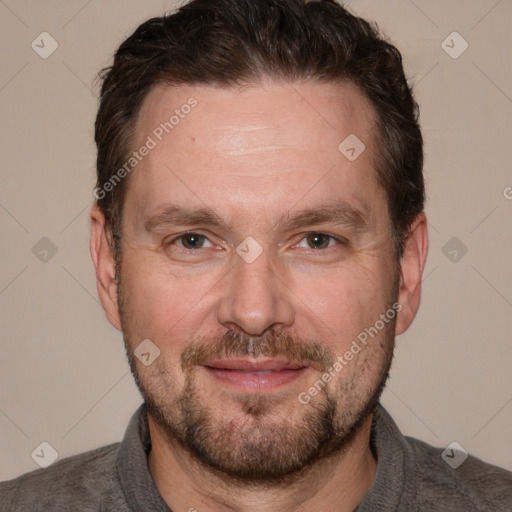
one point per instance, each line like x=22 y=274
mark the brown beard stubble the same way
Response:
x=257 y=453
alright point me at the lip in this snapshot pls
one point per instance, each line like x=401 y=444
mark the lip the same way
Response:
x=251 y=365
x=255 y=375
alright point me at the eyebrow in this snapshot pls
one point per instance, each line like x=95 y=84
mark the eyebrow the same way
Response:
x=337 y=213
x=177 y=215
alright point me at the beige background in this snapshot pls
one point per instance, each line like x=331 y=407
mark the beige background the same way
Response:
x=64 y=377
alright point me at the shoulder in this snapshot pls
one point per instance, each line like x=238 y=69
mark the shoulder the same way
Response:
x=82 y=476
x=480 y=485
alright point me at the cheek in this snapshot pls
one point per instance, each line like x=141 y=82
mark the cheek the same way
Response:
x=149 y=284
x=341 y=304
x=162 y=305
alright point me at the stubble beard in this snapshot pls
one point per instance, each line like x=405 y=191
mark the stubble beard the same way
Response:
x=258 y=447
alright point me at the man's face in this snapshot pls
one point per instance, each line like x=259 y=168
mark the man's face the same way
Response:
x=245 y=325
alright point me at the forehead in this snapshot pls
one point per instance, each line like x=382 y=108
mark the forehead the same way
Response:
x=263 y=147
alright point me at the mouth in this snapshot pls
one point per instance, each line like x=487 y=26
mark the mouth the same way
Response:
x=255 y=375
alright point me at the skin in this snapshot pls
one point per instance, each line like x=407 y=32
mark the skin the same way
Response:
x=255 y=156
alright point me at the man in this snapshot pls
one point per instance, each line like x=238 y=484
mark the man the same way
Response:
x=259 y=238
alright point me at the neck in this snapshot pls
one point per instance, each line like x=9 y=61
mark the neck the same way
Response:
x=338 y=483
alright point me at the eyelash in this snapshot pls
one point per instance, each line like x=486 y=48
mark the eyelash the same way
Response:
x=188 y=233
x=340 y=241
x=331 y=237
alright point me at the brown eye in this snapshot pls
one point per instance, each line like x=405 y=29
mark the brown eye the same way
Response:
x=318 y=240
x=192 y=240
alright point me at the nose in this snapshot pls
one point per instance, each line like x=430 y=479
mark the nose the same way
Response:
x=255 y=298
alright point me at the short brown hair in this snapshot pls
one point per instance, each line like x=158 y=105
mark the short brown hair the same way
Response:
x=236 y=42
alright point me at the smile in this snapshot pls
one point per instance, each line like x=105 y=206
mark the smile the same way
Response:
x=254 y=376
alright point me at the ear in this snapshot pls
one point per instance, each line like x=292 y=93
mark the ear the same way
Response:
x=105 y=267
x=412 y=264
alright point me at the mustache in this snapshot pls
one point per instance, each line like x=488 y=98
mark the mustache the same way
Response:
x=273 y=344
